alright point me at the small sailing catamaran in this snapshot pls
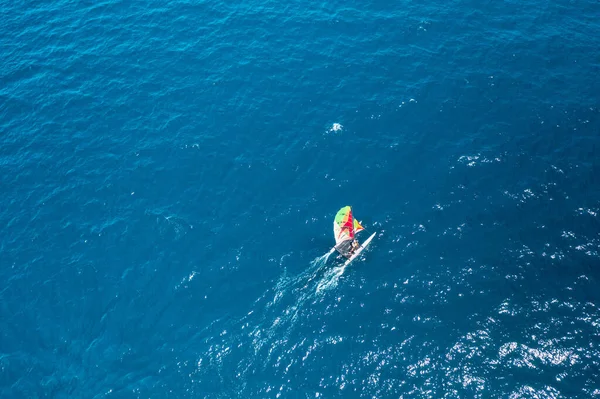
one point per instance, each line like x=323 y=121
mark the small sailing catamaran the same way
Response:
x=345 y=227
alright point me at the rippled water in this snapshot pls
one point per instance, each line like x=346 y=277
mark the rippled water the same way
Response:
x=170 y=172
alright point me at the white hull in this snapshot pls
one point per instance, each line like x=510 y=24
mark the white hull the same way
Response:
x=359 y=250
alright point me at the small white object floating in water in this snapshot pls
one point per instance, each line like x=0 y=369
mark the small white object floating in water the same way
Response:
x=336 y=127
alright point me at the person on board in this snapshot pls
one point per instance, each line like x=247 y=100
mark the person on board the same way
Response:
x=354 y=246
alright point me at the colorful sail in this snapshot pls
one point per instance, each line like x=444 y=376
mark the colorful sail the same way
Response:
x=345 y=226
x=357 y=226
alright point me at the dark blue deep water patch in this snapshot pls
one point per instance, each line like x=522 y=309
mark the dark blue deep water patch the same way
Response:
x=170 y=173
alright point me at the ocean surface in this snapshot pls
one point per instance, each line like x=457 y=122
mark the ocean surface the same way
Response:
x=170 y=171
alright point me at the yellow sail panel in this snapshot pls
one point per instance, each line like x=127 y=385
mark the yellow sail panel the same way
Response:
x=357 y=226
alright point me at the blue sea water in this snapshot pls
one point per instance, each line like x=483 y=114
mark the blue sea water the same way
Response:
x=170 y=172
